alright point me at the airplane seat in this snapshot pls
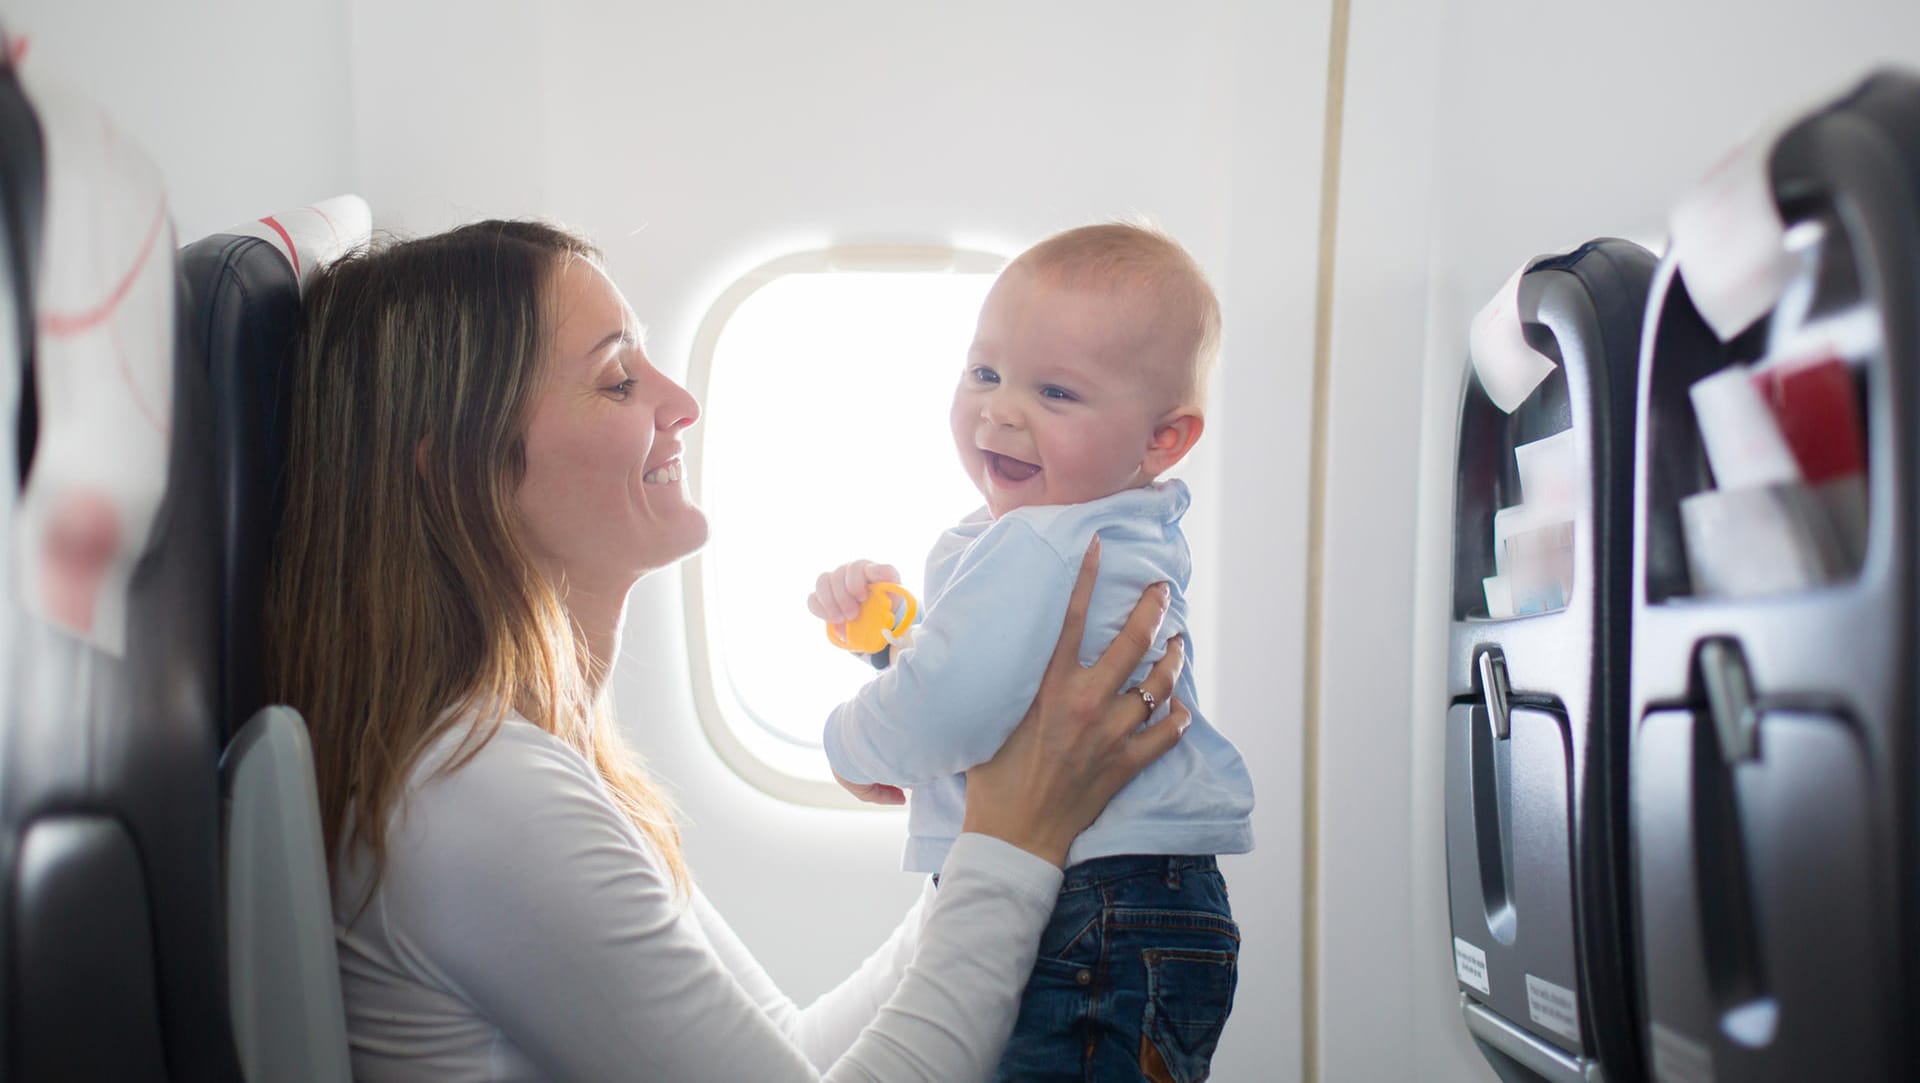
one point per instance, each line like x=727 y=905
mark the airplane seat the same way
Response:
x=288 y=1018
x=111 y=948
x=19 y=228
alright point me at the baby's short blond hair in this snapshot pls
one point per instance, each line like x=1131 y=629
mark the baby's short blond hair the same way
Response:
x=1140 y=259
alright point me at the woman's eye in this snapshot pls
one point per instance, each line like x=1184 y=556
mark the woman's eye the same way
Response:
x=1057 y=394
x=622 y=389
x=983 y=374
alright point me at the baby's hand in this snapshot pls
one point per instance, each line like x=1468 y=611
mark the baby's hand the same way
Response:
x=838 y=593
x=874 y=793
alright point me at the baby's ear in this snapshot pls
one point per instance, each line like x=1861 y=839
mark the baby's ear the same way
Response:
x=1172 y=438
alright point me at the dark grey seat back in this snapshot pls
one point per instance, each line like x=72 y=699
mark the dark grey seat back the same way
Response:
x=1775 y=734
x=1535 y=752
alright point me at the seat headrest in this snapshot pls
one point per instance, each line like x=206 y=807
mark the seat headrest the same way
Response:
x=244 y=285
x=314 y=236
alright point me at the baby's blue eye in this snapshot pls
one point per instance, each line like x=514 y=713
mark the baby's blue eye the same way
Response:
x=1057 y=394
x=984 y=374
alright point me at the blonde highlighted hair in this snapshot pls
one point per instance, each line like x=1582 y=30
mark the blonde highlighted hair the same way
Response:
x=1139 y=259
x=402 y=603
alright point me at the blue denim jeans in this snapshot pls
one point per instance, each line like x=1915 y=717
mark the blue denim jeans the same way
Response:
x=1135 y=977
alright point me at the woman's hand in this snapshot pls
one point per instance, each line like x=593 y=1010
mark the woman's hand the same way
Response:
x=1080 y=740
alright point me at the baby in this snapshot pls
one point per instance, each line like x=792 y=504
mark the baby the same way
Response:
x=1084 y=383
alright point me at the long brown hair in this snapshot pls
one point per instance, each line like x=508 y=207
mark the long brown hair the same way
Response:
x=402 y=602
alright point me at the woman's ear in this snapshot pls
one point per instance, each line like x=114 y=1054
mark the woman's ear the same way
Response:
x=1171 y=441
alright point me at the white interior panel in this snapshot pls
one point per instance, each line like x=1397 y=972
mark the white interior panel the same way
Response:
x=1527 y=128
x=242 y=105
x=1252 y=672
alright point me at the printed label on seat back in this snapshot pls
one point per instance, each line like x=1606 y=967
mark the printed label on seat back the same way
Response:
x=1470 y=965
x=1553 y=1007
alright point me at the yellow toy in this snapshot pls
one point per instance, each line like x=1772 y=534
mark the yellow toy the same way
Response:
x=868 y=633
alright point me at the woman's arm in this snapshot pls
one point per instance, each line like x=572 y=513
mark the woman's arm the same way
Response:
x=826 y=1028
x=514 y=884
x=950 y=1016
x=518 y=886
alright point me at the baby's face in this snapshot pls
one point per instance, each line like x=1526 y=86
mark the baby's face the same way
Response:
x=1060 y=398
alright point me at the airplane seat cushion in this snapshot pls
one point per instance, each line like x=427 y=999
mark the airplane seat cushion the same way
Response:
x=289 y=1019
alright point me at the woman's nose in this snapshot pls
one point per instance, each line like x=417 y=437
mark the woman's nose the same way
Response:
x=677 y=409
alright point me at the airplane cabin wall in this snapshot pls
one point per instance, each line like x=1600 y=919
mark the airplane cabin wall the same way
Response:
x=1507 y=129
x=241 y=105
x=695 y=142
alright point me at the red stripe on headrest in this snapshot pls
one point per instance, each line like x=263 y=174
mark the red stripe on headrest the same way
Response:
x=16 y=51
x=65 y=323
x=292 y=252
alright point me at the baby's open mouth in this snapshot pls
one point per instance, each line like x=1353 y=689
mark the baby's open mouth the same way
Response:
x=1008 y=469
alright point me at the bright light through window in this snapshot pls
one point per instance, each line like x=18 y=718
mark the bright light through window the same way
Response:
x=825 y=439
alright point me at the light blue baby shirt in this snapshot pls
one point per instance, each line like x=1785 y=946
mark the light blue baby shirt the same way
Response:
x=997 y=591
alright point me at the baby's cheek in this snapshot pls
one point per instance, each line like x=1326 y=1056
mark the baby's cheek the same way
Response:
x=1107 y=454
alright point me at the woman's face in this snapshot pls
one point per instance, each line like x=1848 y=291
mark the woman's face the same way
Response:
x=603 y=501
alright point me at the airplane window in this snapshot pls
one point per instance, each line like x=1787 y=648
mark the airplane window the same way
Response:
x=826 y=379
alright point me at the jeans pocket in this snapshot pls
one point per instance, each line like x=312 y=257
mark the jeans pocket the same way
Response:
x=1189 y=995
x=1072 y=935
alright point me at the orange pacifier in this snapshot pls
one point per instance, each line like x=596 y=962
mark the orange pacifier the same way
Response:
x=888 y=610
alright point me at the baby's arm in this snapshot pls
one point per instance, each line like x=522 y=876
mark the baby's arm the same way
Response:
x=975 y=664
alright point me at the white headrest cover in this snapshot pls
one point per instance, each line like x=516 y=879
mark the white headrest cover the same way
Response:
x=312 y=237
x=104 y=342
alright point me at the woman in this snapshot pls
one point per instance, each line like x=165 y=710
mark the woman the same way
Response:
x=482 y=462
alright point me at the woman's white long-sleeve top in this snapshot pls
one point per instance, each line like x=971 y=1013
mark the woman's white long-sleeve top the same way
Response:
x=523 y=929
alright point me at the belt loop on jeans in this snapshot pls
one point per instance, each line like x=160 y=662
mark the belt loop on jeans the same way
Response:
x=1173 y=874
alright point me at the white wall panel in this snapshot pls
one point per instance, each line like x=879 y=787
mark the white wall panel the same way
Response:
x=1254 y=671
x=1548 y=124
x=242 y=105
x=1377 y=338
x=450 y=106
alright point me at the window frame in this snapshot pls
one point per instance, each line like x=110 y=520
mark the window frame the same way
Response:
x=723 y=716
